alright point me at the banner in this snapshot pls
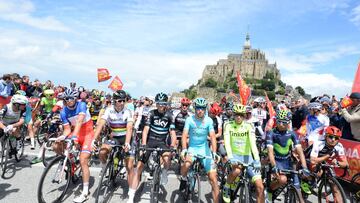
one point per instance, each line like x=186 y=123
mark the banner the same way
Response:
x=352 y=150
x=103 y=74
x=244 y=89
x=346 y=102
x=116 y=84
x=356 y=84
x=272 y=112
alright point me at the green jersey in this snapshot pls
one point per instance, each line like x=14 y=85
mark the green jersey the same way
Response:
x=240 y=141
x=48 y=104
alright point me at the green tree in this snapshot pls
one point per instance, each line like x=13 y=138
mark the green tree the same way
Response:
x=300 y=90
x=281 y=91
x=268 y=85
x=271 y=95
x=210 y=82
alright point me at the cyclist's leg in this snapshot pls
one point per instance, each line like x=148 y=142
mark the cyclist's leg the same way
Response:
x=337 y=193
x=31 y=133
x=210 y=167
x=129 y=161
x=255 y=177
x=280 y=180
x=104 y=152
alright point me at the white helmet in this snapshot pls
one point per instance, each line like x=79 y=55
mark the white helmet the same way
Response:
x=19 y=99
x=259 y=100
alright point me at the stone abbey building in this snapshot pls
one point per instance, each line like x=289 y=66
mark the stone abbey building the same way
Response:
x=251 y=63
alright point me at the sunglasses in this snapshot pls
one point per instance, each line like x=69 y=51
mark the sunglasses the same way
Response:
x=240 y=114
x=120 y=100
x=200 y=108
x=69 y=99
x=50 y=95
x=283 y=122
x=185 y=105
x=331 y=137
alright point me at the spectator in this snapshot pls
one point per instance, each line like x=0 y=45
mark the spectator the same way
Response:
x=25 y=83
x=352 y=115
x=334 y=116
x=5 y=90
x=35 y=89
x=16 y=84
x=300 y=113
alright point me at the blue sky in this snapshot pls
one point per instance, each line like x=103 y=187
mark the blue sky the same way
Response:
x=164 y=45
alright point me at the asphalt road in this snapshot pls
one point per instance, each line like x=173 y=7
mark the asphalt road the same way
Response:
x=21 y=183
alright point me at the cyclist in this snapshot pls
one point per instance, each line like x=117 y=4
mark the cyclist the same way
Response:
x=95 y=106
x=214 y=113
x=316 y=122
x=240 y=144
x=255 y=122
x=157 y=127
x=48 y=101
x=121 y=122
x=142 y=114
x=259 y=111
x=329 y=149
x=197 y=129
x=12 y=117
x=228 y=114
x=76 y=116
x=280 y=142
x=180 y=117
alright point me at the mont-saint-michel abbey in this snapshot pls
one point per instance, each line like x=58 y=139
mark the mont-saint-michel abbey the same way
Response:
x=251 y=63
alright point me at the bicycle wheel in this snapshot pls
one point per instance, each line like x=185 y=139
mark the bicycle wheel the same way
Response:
x=355 y=189
x=154 y=197
x=197 y=185
x=327 y=188
x=41 y=134
x=244 y=196
x=293 y=195
x=20 y=152
x=105 y=187
x=54 y=181
x=5 y=155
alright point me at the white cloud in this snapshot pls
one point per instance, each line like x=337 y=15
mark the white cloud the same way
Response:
x=318 y=84
x=355 y=15
x=21 y=11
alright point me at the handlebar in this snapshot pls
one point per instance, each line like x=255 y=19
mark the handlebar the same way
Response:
x=157 y=149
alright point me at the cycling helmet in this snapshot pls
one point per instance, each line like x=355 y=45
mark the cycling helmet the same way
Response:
x=283 y=115
x=315 y=106
x=325 y=100
x=119 y=94
x=49 y=92
x=239 y=109
x=69 y=93
x=215 y=109
x=229 y=106
x=185 y=101
x=332 y=130
x=161 y=98
x=200 y=102
x=60 y=95
x=248 y=109
x=96 y=94
x=19 y=99
x=259 y=100
x=21 y=92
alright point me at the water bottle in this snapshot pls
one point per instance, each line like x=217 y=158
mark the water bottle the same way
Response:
x=116 y=163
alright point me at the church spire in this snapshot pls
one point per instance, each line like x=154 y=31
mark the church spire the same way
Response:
x=247 y=44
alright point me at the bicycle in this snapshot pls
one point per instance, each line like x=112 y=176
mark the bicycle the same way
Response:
x=242 y=184
x=9 y=148
x=289 y=190
x=355 y=190
x=60 y=170
x=193 y=179
x=53 y=132
x=112 y=170
x=325 y=184
x=155 y=168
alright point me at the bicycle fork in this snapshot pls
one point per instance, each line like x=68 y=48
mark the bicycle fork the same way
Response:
x=61 y=169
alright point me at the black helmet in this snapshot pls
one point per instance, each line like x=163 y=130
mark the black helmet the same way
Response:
x=161 y=98
x=229 y=106
x=119 y=94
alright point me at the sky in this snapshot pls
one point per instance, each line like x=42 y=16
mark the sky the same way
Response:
x=163 y=45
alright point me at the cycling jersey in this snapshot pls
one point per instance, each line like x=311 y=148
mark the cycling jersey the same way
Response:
x=86 y=133
x=315 y=126
x=217 y=122
x=260 y=114
x=240 y=140
x=8 y=116
x=225 y=117
x=48 y=104
x=179 y=121
x=320 y=149
x=94 y=110
x=282 y=143
x=117 y=120
x=160 y=124
x=199 y=130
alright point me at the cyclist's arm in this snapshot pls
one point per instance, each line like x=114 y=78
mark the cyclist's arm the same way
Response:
x=19 y=123
x=270 y=147
x=254 y=149
x=101 y=113
x=129 y=129
x=145 y=134
x=67 y=129
x=316 y=160
x=227 y=141
x=184 y=138
x=99 y=126
x=300 y=152
x=78 y=124
x=139 y=117
x=2 y=114
x=213 y=140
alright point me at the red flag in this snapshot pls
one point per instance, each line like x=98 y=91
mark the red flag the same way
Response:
x=346 y=102
x=356 y=84
x=244 y=89
x=103 y=74
x=272 y=112
x=116 y=84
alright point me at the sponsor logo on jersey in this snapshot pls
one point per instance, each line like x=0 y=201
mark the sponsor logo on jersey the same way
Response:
x=161 y=123
x=238 y=134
